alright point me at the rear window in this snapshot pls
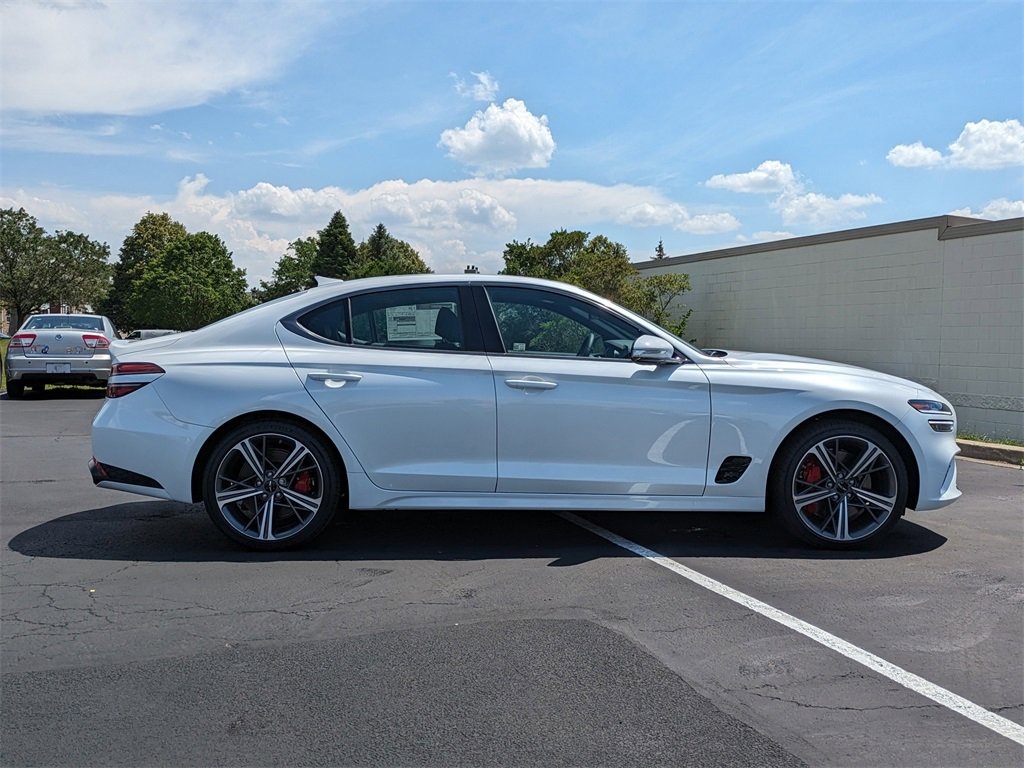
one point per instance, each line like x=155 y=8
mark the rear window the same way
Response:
x=54 y=322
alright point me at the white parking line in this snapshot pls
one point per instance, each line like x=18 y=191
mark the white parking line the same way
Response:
x=948 y=699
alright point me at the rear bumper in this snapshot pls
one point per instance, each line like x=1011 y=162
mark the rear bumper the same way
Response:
x=143 y=449
x=78 y=370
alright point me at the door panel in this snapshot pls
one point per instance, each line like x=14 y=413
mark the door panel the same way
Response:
x=601 y=426
x=418 y=413
x=577 y=415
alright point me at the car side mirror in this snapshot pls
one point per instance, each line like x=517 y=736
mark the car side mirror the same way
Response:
x=651 y=350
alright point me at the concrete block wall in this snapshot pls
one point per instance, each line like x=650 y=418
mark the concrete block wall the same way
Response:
x=939 y=301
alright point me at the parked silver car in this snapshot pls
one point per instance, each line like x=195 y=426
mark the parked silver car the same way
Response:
x=59 y=349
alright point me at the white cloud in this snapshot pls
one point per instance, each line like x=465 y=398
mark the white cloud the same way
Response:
x=822 y=211
x=123 y=57
x=451 y=223
x=795 y=205
x=984 y=145
x=996 y=210
x=501 y=139
x=915 y=155
x=673 y=215
x=484 y=89
x=987 y=144
x=769 y=177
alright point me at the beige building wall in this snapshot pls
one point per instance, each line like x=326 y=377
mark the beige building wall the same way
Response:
x=939 y=301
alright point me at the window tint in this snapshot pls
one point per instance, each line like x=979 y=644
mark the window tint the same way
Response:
x=329 y=321
x=545 y=323
x=413 y=318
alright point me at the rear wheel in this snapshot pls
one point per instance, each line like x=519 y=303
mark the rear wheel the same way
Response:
x=840 y=485
x=271 y=485
x=15 y=390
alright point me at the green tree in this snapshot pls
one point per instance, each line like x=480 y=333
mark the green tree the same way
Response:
x=655 y=298
x=37 y=269
x=601 y=266
x=148 y=240
x=82 y=267
x=293 y=272
x=382 y=254
x=659 y=252
x=24 y=267
x=191 y=284
x=336 y=250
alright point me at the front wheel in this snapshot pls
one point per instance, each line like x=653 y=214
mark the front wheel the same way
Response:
x=271 y=485
x=840 y=485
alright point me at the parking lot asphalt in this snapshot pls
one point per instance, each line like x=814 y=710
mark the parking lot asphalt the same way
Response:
x=133 y=633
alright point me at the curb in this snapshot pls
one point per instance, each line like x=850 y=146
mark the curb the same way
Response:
x=1006 y=454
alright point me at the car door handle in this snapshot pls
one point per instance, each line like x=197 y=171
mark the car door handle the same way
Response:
x=531 y=383
x=329 y=376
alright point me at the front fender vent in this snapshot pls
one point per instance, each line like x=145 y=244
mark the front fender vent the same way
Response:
x=732 y=469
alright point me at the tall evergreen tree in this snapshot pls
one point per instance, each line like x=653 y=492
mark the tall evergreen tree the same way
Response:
x=659 y=252
x=336 y=250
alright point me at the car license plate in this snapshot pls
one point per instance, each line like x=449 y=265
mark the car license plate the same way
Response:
x=58 y=367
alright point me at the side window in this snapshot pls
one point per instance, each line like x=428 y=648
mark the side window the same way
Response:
x=411 y=318
x=329 y=321
x=546 y=323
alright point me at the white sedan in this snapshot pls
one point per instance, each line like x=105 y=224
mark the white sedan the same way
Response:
x=483 y=392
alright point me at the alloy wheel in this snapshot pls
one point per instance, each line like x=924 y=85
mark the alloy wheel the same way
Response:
x=269 y=487
x=845 y=488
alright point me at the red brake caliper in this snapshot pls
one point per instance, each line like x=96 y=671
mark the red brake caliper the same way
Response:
x=303 y=482
x=810 y=473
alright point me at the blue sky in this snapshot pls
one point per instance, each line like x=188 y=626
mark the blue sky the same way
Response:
x=464 y=125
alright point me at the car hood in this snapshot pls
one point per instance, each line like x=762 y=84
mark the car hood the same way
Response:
x=767 y=361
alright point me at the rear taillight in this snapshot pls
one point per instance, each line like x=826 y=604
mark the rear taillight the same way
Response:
x=146 y=373
x=135 y=369
x=93 y=341
x=22 y=340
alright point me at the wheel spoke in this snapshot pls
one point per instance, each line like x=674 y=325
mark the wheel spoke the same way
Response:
x=842 y=515
x=825 y=460
x=255 y=458
x=872 y=499
x=818 y=494
x=298 y=453
x=235 y=494
x=305 y=502
x=865 y=461
x=266 y=516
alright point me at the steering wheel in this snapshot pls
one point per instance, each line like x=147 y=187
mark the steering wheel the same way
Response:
x=587 y=346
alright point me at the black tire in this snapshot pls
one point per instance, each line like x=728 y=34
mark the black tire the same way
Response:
x=15 y=390
x=839 y=485
x=298 y=485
